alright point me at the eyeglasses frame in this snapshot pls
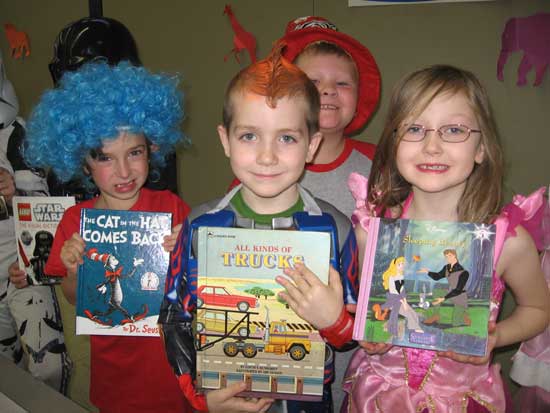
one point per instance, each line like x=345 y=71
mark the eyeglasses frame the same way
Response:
x=438 y=130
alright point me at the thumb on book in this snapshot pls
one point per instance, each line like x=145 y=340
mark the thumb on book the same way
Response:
x=334 y=281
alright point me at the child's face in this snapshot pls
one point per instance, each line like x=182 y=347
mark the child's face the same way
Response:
x=268 y=148
x=336 y=80
x=120 y=170
x=432 y=165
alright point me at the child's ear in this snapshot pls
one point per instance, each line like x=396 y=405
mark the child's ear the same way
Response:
x=314 y=142
x=480 y=154
x=224 y=139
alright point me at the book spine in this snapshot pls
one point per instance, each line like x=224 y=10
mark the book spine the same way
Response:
x=366 y=280
x=80 y=279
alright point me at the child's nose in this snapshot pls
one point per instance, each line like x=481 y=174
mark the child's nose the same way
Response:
x=123 y=168
x=266 y=155
x=327 y=88
x=432 y=142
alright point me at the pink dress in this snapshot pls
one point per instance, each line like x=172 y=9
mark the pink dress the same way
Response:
x=531 y=366
x=413 y=380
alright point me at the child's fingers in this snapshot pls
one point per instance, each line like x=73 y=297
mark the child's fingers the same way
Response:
x=292 y=294
x=309 y=276
x=291 y=289
x=253 y=406
x=226 y=400
x=334 y=280
x=227 y=393
x=19 y=280
x=78 y=239
x=289 y=300
x=463 y=358
x=375 y=348
x=299 y=280
x=176 y=230
x=14 y=270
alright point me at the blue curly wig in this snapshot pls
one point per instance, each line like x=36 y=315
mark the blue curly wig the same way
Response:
x=91 y=105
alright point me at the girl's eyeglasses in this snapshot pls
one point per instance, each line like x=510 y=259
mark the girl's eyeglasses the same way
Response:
x=454 y=133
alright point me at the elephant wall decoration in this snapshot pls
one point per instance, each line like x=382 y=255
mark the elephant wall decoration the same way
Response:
x=531 y=35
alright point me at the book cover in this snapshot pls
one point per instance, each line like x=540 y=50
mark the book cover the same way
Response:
x=244 y=331
x=121 y=283
x=426 y=284
x=36 y=219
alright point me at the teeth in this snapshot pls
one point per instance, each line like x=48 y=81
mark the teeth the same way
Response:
x=434 y=167
x=331 y=107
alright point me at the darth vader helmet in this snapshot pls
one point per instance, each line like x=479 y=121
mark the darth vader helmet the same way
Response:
x=9 y=105
x=92 y=39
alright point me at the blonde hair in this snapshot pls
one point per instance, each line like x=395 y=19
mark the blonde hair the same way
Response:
x=392 y=270
x=410 y=97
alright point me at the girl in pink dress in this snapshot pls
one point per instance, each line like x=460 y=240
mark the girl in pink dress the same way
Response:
x=439 y=159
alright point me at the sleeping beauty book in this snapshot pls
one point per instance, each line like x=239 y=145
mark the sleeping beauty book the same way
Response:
x=121 y=282
x=426 y=284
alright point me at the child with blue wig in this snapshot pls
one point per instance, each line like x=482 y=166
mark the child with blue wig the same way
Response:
x=114 y=125
x=98 y=102
x=109 y=126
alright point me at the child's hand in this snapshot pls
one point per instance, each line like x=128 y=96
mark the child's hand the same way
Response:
x=311 y=299
x=375 y=348
x=7 y=185
x=170 y=240
x=225 y=401
x=72 y=253
x=464 y=358
x=17 y=277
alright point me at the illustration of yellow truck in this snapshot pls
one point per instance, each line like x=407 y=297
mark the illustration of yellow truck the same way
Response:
x=278 y=339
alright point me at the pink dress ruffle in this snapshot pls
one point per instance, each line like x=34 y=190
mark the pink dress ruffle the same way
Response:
x=414 y=380
x=531 y=367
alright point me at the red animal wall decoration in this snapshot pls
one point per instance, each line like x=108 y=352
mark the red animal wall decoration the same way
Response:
x=242 y=40
x=18 y=41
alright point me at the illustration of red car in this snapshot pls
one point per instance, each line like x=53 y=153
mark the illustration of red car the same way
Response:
x=217 y=295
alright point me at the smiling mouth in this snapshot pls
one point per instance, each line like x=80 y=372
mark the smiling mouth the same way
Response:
x=433 y=167
x=125 y=185
x=329 y=107
x=266 y=176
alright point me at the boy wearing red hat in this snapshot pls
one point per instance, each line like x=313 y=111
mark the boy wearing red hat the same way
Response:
x=348 y=81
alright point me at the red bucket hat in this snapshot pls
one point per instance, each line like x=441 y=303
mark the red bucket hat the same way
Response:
x=311 y=29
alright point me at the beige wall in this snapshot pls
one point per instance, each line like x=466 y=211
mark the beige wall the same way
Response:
x=192 y=37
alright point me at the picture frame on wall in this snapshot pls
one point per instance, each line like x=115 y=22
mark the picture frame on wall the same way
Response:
x=359 y=3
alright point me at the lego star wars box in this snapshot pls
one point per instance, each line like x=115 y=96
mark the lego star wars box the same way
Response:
x=36 y=219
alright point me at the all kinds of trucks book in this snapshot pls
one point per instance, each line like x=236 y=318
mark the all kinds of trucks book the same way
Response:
x=244 y=331
x=121 y=282
x=426 y=284
x=36 y=219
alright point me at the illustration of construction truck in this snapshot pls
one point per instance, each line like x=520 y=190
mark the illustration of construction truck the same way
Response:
x=278 y=339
